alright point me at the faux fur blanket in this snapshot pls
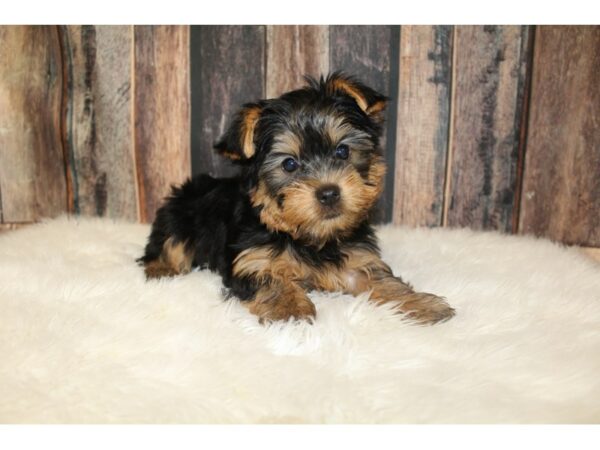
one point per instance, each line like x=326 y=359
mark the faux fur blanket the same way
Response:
x=84 y=338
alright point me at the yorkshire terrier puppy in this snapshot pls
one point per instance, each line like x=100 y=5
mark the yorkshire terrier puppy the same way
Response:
x=296 y=218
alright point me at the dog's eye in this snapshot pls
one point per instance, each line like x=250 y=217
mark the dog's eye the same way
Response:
x=342 y=151
x=290 y=164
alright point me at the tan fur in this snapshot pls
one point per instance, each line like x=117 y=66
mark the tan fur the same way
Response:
x=301 y=215
x=376 y=111
x=422 y=307
x=158 y=269
x=251 y=116
x=264 y=264
x=347 y=87
x=376 y=107
x=175 y=259
x=362 y=271
x=282 y=301
x=372 y=274
x=287 y=142
x=231 y=155
x=336 y=128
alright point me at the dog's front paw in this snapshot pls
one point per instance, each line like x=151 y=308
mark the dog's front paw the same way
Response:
x=307 y=314
x=426 y=309
x=284 y=308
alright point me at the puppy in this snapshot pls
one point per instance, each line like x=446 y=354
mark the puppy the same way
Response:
x=296 y=218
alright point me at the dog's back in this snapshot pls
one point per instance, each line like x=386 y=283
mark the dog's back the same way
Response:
x=191 y=228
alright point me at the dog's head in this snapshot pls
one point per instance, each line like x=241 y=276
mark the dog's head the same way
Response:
x=311 y=157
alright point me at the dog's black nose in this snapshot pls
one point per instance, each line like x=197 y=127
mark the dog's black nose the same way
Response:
x=328 y=195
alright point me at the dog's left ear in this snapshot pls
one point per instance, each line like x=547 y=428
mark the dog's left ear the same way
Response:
x=370 y=101
x=238 y=141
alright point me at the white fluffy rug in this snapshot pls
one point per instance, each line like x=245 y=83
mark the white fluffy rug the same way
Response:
x=83 y=338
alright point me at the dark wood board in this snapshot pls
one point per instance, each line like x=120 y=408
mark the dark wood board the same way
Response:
x=490 y=72
x=228 y=70
x=561 y=186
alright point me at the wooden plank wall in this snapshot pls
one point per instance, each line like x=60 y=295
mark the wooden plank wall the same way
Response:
x=292 y=52
x=218 y=89
x=473 y=136
x=98 y=130
x=489 y=73
x=94 y=120
x=162 y=113
x=423 y=122
x=561 y=185
x=32 y=181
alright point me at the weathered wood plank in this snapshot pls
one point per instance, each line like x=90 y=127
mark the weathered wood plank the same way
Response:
x=98 y=120
x=362 y=51
x=227 y=71
x=423 y=123
x=292 y=52
x=162 y=112
x=32 y=176
x=561 y=187
x=370 y=54
x=490 y=64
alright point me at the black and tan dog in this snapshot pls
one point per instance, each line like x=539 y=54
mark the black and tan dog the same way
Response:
x=296 y=218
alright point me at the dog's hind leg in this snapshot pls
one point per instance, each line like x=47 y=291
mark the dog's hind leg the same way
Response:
x=174 y=259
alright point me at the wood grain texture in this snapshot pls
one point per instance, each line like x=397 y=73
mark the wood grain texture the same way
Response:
x=292 y=52
x=423 y=123
x=162 y=112
x=362 y=51
x=490 y=64
x=98 y=131
x=561 y=187
x=227 y=71
x=370 y=54
x=32 y=176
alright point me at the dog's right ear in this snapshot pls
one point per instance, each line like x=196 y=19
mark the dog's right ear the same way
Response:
x=238 y=141
x=370 y=101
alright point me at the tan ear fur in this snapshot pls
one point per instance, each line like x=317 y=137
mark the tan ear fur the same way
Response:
x=237 y=143
x=340 y=84
x=367 y=99
x=250 y=118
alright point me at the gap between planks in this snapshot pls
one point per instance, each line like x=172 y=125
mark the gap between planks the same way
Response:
x=451 y=112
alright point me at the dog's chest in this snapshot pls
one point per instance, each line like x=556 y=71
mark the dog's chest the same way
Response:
x=347 y=275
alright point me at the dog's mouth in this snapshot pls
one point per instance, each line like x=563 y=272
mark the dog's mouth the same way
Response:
x=330 y=215
x=331 y=212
